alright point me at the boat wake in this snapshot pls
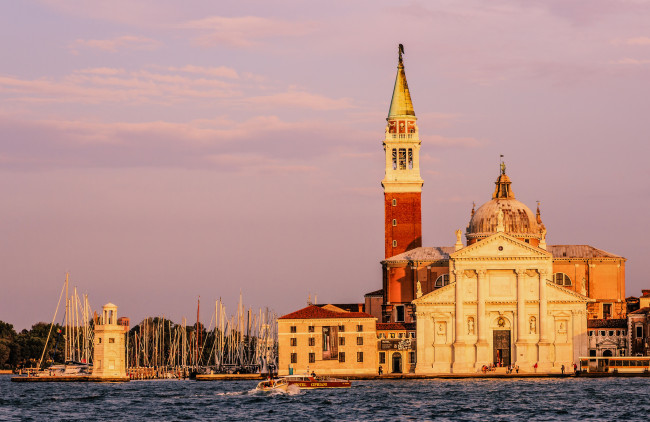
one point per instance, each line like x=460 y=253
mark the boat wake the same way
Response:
x=292 y=390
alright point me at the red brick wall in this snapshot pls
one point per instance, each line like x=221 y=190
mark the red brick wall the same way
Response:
x=408 y=213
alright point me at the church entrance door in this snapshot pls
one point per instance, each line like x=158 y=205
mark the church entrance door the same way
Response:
x=501 y=352
x=397 y=363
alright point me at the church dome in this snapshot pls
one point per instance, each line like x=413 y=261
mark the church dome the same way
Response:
x=504 y=213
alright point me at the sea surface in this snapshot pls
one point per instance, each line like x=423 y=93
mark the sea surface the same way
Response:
x=601 y=399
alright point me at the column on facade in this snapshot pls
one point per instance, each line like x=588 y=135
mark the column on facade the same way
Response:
x=521 y=305
x=542 y=307
x=460 y=319
x=481 y=319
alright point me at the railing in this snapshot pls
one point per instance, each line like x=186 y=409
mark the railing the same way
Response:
x=402 y=135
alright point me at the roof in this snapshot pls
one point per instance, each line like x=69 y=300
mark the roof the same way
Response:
x=645 y=310
x=379 y=292
x=578 y=251
x=434 y=253
x=344 y=307
x=401 y=104
x=316 y=312
x=396 y=326
x=607 y=323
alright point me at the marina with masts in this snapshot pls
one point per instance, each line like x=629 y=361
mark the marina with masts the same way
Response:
x=242 y=343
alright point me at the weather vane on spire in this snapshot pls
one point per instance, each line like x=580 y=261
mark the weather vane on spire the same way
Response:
x=503 y=165
x=401 y=51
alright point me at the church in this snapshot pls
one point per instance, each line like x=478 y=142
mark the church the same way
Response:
x=504 y=296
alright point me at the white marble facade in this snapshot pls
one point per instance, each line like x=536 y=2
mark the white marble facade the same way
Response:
x=500 y=291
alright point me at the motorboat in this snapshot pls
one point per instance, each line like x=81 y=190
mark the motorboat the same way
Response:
x=278 y=384
x=312 y=381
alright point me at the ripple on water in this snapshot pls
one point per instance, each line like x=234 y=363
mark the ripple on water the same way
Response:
x=470 y=400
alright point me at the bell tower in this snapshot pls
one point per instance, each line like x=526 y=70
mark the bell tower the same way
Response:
x=402 y=182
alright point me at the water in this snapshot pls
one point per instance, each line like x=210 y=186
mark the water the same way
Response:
x=602 y=399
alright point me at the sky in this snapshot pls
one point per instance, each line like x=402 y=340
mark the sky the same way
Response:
x=159 y=150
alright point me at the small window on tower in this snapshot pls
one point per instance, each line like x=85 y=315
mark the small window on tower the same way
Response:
x=394 y=202
x=394 y=243
x=394 y=222
x=410 y=158
x=394 y=159
x=402 y=158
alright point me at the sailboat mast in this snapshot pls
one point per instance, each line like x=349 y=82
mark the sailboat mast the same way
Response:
x=66 y=353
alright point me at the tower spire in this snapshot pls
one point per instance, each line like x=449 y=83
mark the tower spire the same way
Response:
x=401 y=104
x=402 y=182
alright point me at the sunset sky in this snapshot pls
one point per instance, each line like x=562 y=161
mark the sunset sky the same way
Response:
x=162 y=150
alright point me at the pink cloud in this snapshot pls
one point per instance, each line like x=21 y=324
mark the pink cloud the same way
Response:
x=221 y=71
x=301 y=99
x=445 y=142
x=245 y=31
x=113 y=45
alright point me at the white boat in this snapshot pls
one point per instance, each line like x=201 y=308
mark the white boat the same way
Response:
x=278 y=384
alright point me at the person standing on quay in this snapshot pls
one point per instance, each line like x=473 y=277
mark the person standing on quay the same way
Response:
x=562 y=369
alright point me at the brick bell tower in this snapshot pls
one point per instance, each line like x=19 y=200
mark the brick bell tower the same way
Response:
x=402 y=182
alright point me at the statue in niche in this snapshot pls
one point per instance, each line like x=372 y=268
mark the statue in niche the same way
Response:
x=583 y=287
x=470 y=326
x=533 y=325
x=459 y=234
x=418 y=293
x=500 y=217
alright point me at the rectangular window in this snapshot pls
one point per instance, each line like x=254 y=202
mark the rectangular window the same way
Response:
x=591 y=333
x=100 y=340
x=111 y=364
x=382 y=357
x=311 y=329
x=402 y=158
x=394 y=162
x=294 y=358
x=394 y=243
x=412 y=358
x=400 y=335
x=341 y=341
x=342 y=357
x=359 y=341
x=639 y=331
x=341 y=328
x=293 y=328
x=412 y=335
x=359 y=328
x=394 y=222
x=111 y=340
x=399 y=313
x=602 y=333
x=359 y=356
x=293 y=341
x=392 y=335
x=99 y=364
x=410 y=158
x=607 y=310
x=394 y=202
x=611 y=333
x=312 y=357
x=312 y=341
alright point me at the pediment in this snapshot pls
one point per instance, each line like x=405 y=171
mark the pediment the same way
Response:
x=501 y=246
x=444 y=294
x=555 y=293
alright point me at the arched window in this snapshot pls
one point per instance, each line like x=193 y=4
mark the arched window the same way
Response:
x=443 y=280
x=561 y=279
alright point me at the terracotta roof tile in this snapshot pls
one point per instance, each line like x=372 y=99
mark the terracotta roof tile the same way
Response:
x=578 y=251
x=434 y=253
x=645 y=310
x=316 y=312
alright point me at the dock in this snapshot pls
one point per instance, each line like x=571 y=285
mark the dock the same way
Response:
x=69 y=378
x=228 y=377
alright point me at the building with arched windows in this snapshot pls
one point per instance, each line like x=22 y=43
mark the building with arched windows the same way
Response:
x=504 y=296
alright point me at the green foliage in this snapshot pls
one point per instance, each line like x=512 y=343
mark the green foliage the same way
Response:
x=24 y=349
